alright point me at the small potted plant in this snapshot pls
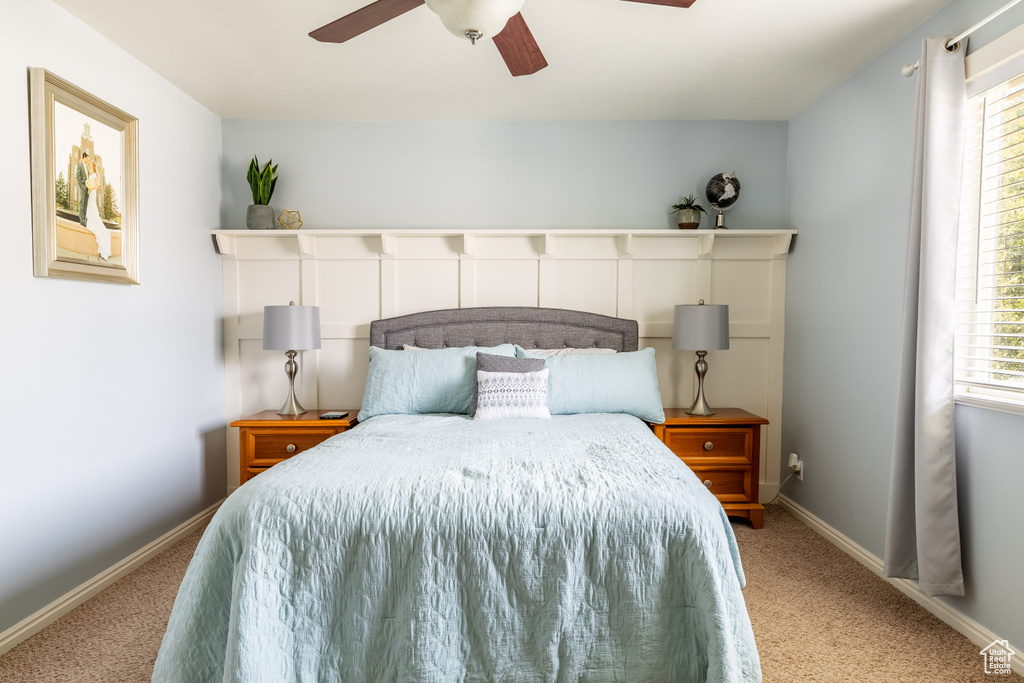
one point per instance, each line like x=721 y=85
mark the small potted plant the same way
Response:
x=262 y=181
x=688 y=212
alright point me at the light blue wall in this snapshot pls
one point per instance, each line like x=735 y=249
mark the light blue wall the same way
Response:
x=113 y=396
x=850 y=167
x=477 y=174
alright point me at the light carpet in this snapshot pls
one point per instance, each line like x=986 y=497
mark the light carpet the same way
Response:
x=818 y=615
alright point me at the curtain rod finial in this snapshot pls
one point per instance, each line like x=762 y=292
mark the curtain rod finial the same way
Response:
x=909 y=69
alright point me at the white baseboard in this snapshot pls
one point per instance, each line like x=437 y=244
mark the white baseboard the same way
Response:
x=35 y=623
x=975 y=632
x=766 y=492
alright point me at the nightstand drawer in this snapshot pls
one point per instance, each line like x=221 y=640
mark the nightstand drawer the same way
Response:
x=722 y=445
x=729 y=486
x=271 y=448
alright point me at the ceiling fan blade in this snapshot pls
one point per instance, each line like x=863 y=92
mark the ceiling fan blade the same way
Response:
x=668 y=3
x=362 y=20
x=520 y=51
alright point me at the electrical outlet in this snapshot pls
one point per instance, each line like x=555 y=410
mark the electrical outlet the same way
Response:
x=796 y=466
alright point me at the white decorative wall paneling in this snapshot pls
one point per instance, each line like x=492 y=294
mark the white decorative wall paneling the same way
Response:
x=357 y=276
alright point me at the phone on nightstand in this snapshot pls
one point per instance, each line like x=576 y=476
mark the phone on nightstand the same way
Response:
x=334 y=415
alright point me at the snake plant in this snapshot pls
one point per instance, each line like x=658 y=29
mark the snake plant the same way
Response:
x=261 y=181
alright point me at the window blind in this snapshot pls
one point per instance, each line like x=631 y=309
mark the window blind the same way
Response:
x=990 y=249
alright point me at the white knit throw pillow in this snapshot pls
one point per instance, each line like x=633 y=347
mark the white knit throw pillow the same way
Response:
x=511 y=394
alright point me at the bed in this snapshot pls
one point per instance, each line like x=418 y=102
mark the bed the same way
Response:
x=426 y=545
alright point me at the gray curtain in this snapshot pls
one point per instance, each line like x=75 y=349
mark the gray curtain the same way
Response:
x=923 y=532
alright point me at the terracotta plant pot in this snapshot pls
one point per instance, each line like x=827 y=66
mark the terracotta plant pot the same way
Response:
x=688 y=219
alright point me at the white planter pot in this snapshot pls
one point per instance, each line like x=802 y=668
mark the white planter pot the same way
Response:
x=688 y=219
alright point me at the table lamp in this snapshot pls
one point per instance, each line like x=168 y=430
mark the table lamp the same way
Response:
x=291 y=328
x=700 y=328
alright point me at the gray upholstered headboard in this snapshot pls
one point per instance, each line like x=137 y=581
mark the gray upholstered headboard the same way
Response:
x=531 y=328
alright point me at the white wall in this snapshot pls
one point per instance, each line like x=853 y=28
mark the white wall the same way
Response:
x=505 y=174
x=113 y=396
x=850 y=166
x=359 y=276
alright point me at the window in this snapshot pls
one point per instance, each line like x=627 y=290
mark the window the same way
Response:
x=990 y=260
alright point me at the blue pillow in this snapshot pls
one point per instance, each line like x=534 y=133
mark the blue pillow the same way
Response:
x=605 y=383
x=565 y=351
x=422 y=381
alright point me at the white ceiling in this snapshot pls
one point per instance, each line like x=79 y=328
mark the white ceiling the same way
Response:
x=609 y=59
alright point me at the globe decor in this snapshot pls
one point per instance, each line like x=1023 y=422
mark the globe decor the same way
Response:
x=722 y=191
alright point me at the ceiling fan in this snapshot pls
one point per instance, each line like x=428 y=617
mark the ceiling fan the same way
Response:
x=499 y=20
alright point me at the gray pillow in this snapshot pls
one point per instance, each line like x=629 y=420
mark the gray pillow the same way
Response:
x=488 y=362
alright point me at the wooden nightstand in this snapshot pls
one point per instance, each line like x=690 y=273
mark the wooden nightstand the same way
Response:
x=724 y=450
x=267 y=438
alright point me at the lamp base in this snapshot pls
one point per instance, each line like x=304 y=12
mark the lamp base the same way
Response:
x=291 y=405
x=700 y=404
x=700 y=407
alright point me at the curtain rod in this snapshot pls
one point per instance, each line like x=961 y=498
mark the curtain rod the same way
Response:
x=909 y=69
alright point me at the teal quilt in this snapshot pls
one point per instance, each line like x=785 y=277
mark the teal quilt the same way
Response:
x=439 y=548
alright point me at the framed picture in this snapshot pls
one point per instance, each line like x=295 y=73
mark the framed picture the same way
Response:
x=85 y=184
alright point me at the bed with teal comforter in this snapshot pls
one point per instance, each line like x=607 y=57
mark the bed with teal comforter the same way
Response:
x=442 y=548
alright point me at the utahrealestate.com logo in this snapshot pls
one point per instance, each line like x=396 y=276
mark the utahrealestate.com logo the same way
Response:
x=997 y=657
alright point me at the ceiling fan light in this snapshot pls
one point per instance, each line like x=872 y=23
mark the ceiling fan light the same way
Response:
x=488 y=17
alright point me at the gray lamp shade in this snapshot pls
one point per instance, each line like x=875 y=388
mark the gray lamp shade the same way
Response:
x=701 y=327
x=291 y=328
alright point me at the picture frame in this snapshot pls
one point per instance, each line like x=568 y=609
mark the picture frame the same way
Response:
x=85 y=189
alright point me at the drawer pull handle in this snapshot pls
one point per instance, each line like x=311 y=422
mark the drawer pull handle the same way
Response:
x=290 y=448
x=708 y=445
x=707 y=482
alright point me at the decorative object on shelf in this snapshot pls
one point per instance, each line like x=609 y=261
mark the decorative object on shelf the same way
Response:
x=289 y=220
x=259 y=217
x=723 y=190
x=688 y=213
x=291 y=328
x=262 y=181
x=701 y=328
x=85 y=184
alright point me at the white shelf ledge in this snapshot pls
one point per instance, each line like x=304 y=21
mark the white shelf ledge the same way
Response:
x=307 y=243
